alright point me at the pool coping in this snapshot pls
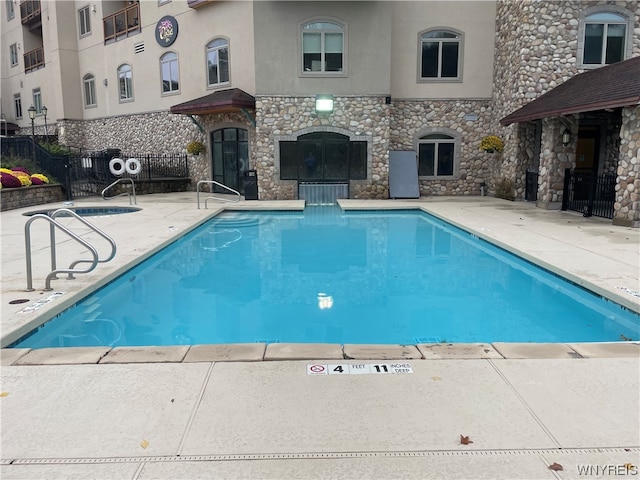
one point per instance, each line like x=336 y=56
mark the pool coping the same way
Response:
x=352 y=353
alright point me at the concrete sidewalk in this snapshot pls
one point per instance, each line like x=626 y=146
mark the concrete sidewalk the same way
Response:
x=181 y=412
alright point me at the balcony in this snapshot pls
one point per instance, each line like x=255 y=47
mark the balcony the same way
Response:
x=122 y=24
x=30 y=13
x=34 y=60
x=198 y=3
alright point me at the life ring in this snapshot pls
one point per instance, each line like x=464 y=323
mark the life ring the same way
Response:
x=133 y=166
x=116 y=166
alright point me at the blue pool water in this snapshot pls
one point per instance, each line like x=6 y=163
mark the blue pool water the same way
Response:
x=329 y=276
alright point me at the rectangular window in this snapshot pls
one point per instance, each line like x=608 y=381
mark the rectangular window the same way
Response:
x=17 y=105
x=84 y=20
x=11 y=13
x=614 y=51
x=594 y=35
x=13 y=50
x=89 y=91
x=37 y=100
x=436 y=159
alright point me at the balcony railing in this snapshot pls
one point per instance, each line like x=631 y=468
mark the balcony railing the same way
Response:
x=30 y=11
x=123 y=23
x=34 y=60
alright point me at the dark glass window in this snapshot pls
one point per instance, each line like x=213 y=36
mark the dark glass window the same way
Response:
x=604 y=38
x=440 y=54
x=436 y=156
x=323 y=157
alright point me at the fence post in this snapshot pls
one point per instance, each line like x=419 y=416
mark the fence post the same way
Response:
x=565 y=191
x=67 y=174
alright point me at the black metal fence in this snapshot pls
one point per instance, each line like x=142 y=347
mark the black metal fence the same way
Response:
x=86 y=174
x=589 y=194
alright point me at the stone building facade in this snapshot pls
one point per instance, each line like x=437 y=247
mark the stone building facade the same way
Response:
x=537 y=46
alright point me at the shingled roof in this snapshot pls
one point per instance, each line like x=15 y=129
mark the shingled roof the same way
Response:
x=221 y=101
x=612 y=86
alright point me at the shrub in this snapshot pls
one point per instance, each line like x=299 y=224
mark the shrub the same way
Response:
x=505 y=189
x=195 y=148
x=9 y=181
x=492 y=144
x=39 y=176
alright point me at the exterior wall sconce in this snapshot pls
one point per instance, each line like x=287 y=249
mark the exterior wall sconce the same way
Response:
x=324 y=103
x=105 y=82
x=566 y=137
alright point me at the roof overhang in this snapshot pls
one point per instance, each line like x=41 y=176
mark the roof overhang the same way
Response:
x=605 y=88
x=222 y=101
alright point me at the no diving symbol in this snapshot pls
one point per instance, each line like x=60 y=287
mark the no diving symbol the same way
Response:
x=317 y=368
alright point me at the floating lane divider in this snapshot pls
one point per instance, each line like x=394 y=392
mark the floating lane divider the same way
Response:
x=359 y=368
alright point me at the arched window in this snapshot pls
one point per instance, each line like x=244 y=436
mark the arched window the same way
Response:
x=125 y=82
x=217 y=62
x=323 y=48
x=89 y=87
x=437 y=156
x=604 y=37
x=170 y=73
x=440 y=55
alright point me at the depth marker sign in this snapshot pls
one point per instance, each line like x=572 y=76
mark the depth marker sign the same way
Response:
x=359 y=369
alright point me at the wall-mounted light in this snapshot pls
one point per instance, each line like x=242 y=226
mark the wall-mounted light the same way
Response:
x=566 y=137
x=105 y=82
x=324 y=103
x=93 y=9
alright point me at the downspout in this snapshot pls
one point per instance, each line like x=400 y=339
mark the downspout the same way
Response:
x=196 y=123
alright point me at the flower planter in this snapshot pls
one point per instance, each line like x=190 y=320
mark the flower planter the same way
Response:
x=12 y=198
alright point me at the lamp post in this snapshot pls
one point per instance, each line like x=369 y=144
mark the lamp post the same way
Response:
x=44 y=112
x=32 y=116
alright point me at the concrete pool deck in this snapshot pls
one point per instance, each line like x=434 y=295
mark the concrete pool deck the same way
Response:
x=219 y=411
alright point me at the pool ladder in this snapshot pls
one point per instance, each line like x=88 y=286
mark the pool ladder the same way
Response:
x=122 y=180
x=222 y=199
x=51 y=218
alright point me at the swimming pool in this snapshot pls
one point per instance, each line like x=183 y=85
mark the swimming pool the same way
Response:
x=323 y=275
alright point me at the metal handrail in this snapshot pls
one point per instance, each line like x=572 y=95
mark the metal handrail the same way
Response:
x=27 y=239
x=120 y=180
x=213 y=182
x=67 y=211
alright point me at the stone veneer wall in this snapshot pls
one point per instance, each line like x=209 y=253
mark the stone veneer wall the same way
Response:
x=286 y=117
x=155 y=132
x=12 y=198
x=536 y=50
x=554 y=159
x=412 y=119
x=627 y=205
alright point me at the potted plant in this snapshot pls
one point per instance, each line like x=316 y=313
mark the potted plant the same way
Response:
x=196 y=148
x=492 y=144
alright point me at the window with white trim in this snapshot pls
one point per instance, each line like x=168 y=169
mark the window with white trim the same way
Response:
x=11 y=13
x=437 y=155
x=125 y=82
x=604 y=38
x=440 y=55
x=13 y=50
x=323 y=48
x=89 y=84
x=17 y=105
x=84 y=21
x=217 y=62
x=37 y=100
x=170 y=73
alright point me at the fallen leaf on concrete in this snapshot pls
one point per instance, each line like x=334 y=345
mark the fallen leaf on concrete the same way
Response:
x=436 y=378
x=629 y=466
x=555 y=466
x=465 y=440
x=4 y=394
x=144 y=444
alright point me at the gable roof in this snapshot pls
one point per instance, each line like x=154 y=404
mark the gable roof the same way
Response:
x=221 y=101
x=612 y=86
